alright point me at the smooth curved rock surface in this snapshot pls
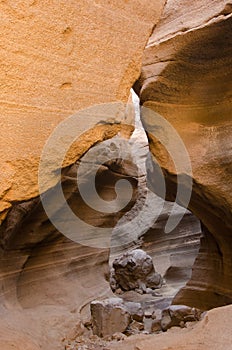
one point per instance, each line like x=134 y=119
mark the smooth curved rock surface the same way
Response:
x=173 y=253
x=186 y=78
x=56 y=59
x=47 y=281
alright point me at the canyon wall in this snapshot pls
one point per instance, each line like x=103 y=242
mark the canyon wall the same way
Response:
x=186 y=78
x=47 y=280
x=58 y=58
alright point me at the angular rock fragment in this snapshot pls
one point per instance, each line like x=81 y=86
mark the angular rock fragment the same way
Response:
x=156 y=326
x=178 y=315
x=135 y=310
x=109 y=316
x=137 y=326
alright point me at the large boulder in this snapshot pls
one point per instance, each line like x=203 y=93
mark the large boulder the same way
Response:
x=114 y=315
x=134 y=270
x=109 y=316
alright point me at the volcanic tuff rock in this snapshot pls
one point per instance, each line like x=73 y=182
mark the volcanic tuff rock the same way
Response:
x=47 y=280
x=114 y=315
x=186 y=77
x=58 y=58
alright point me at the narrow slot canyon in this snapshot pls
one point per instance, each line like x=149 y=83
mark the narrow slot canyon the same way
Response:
x=115 y=183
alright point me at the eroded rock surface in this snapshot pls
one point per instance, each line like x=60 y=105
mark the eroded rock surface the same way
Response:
x=56 y=59
x=212 y=332
x=186 y=78
x=47 y=280
x=115 y=315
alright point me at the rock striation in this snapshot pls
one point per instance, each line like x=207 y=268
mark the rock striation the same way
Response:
x=47 y=280
x=58 y=59
x=186 y=78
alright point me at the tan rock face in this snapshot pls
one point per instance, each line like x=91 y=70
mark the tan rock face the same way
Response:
x=186 y=77
x=47 y=280
x=58 y=58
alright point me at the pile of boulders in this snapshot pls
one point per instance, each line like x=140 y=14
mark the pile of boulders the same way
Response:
x=134 y=270
x=114 y=315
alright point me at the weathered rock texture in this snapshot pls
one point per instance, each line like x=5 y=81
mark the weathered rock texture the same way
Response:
x=178 y=315
x=114 y=315
x=213 y=332
x=47 y=281
x=186 y=77
x=173 y=253
x=109 y=316
x=58 y=58
x=134 y=270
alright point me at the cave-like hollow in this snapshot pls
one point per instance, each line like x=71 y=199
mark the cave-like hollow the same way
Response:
x=45 y=276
